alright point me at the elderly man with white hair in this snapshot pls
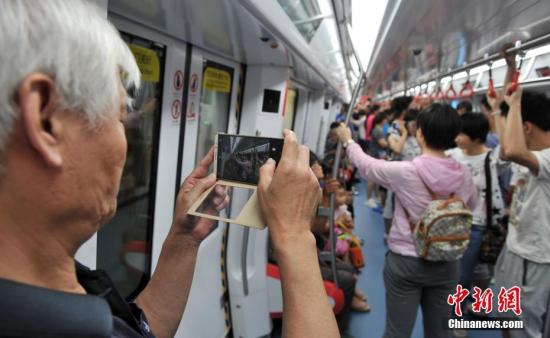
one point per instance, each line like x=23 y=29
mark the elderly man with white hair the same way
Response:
x=64 y=78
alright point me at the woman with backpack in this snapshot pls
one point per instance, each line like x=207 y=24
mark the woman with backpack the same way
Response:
x=415 y=272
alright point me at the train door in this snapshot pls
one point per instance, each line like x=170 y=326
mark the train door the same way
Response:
x=124 y=244
x=211 y=108
x=301 y=109
x=290 y=108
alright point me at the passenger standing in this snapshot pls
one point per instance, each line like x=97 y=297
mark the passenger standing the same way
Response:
x=374 y=110
x=411 y=148
x=464 y=107
x=473 y=153
x=397 y=137
x=525 y=260
x=378 y=150
x=359 y=121
x=411 y=281
x=369 y=126
x=492 y=137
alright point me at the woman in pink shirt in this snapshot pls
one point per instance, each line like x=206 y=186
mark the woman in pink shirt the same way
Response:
x=411 y=281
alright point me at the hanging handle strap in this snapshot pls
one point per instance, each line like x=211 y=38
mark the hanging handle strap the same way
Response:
x=451 y=92
x=514 y=82
x=491 y=91
x=467 y=89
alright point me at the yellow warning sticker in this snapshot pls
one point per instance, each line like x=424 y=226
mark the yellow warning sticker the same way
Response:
x=148 y=63
x=217 y=80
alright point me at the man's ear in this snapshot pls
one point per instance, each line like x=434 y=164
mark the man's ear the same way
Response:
x=37 y=97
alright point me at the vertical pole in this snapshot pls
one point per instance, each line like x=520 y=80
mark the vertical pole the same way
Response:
x=335 y=168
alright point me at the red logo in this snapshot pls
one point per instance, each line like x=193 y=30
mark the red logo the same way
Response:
x=483 y=300
x=457 y=299
x=508 y=299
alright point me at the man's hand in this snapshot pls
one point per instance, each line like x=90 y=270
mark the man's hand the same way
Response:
x=289 y=195
x=344 y=133
x=496 y=101
x=510 y=58
x=288 y=198
x=403 y=128
x=514 y=99
x=192 y=188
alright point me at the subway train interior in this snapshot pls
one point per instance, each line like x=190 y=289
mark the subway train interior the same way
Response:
x=257 y=67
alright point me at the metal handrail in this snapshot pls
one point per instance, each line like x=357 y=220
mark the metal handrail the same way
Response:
x=335 y=168
x=544 y=39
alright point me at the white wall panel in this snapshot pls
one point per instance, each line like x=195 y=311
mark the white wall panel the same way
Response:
x=246 y=260
x=315 y=110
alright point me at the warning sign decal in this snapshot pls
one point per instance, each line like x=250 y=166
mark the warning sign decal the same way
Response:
x=217 y=80
x=148 y=63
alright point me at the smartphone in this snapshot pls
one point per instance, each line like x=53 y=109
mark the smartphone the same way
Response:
x=239 y=158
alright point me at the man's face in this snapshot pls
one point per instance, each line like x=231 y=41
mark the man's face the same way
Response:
x=95 y=160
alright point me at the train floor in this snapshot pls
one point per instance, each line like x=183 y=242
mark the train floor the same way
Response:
x=369 y=225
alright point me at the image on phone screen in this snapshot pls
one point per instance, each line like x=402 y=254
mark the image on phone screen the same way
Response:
x=240 y=157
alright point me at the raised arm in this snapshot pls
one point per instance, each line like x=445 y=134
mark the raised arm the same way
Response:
x=500 y=121
x=377 y=171
x=165 y=297
x=288 y=197
x=397 y=144
x=514 y=147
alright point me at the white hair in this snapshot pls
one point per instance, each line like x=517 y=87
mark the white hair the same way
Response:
x=72 y=42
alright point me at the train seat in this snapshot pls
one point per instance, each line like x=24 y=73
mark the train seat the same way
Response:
x=275 y=295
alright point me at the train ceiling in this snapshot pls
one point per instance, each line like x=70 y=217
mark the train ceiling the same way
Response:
x=419 y=39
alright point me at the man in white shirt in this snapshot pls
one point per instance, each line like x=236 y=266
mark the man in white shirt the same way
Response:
x=525 y=260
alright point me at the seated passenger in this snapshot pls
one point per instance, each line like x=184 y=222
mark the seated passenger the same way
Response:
x=354 y=298
x=63 y=83
x=525 y=260
x=411 y=282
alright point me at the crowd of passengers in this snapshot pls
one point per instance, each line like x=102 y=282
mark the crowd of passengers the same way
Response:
x=63 y=110
x=495 y=159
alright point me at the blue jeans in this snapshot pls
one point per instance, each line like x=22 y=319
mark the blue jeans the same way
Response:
x=471 y=256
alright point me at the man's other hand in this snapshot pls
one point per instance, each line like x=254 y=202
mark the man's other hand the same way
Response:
x=289 y=194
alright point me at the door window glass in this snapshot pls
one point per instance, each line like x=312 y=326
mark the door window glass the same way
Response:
x=290 y=108
x=215 y=103
x=124 y=244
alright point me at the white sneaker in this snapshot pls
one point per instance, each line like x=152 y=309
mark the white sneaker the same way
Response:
x=371 y=203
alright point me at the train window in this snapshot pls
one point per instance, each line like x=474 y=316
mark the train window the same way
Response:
x=290 y=108
x=124 y=244
x=540 y=68
x=499 y=73
x=301 y=13
x=215 y=103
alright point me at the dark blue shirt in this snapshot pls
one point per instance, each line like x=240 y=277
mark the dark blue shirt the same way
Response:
x=129 y=321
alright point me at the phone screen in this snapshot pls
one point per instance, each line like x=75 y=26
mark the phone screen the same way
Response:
x=240 y=157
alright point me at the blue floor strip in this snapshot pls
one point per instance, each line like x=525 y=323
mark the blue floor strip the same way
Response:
x=370 y=226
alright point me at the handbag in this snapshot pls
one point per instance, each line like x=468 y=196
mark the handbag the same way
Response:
x=495 y=233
